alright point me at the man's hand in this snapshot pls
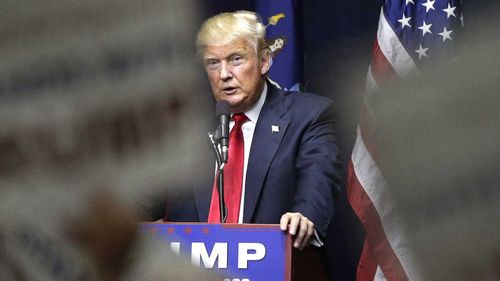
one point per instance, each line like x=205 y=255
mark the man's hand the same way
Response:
x=297 y=225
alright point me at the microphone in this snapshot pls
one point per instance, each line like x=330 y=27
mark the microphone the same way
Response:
x=223 y=111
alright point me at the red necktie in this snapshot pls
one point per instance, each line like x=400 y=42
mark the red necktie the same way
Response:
x=233 y=175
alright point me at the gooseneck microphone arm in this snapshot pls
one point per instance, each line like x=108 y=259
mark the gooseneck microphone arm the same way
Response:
x=215 y=149
x=220 y=177
x=223 y=112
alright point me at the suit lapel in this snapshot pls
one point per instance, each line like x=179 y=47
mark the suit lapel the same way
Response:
x=269 y=131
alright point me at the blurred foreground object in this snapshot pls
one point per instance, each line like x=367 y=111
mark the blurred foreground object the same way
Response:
x=440 y=155
x=108 y=234
x=93 y=94
x=95 y=91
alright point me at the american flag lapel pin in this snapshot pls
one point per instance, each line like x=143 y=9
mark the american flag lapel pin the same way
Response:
x=275 y=129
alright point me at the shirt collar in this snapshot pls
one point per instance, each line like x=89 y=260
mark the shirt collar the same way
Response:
x=253 y=113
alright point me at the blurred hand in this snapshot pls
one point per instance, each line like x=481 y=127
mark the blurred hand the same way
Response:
x=299 y=226
x=108 y=232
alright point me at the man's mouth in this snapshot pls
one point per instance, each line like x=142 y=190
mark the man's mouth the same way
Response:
x=229 y=90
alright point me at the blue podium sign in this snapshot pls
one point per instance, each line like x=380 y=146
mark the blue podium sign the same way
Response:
x=245 y=252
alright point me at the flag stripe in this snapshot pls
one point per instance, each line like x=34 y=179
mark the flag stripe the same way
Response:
x=367 y=132
x=381 y=68
x=375 y=210
x=379 y=275
x=393 y=50
x=367 y=264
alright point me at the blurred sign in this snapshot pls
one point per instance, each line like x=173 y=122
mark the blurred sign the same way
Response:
x=92 y=94
x=92 y=90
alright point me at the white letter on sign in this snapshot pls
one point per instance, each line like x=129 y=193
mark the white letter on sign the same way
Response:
x=244 y=255
x=199 y=253
x=175 y=247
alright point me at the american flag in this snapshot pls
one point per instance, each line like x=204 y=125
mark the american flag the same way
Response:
x=412 y=36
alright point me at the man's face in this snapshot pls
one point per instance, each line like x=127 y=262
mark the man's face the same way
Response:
x=235 y=73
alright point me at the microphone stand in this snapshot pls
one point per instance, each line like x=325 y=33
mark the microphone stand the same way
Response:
x=220 y=177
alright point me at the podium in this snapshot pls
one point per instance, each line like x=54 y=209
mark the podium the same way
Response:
x=246 y=252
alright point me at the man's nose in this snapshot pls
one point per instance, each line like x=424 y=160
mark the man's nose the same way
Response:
x=225 y=71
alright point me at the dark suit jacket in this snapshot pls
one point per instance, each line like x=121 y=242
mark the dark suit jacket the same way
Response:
x=295 y=169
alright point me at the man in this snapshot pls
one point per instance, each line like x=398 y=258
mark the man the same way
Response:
x=290 y=168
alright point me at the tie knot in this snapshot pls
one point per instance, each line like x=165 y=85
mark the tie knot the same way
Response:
x=239 y=118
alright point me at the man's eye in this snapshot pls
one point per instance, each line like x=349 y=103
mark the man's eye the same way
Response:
x=236 y=60
x=211 y=64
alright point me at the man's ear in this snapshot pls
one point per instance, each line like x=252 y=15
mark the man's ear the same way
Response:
x=265 y=61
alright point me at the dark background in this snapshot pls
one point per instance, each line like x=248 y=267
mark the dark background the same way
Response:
x=338 y=37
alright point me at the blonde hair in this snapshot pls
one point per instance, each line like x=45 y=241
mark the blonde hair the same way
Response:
x=223 y=28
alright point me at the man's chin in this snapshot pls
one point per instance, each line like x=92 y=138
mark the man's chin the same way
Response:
x=235 y=105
